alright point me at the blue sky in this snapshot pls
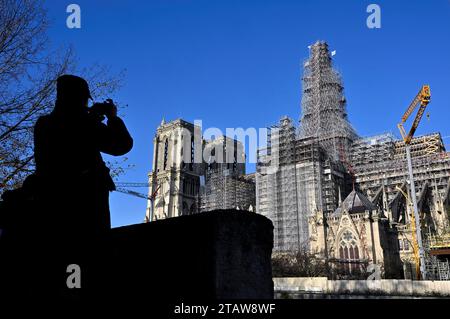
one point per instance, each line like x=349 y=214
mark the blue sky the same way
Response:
x=238 y=64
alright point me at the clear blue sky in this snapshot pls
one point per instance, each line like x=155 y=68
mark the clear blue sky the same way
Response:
x=238 y=63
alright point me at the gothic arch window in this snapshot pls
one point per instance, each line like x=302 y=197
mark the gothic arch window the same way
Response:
x=349 y=251
x=235 y=157
x=405 y=244
x=186 y=185
x=192 y=154
x=182 y=164
x=166 y=153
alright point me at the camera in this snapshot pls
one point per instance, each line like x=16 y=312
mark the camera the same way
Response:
x=100 y=109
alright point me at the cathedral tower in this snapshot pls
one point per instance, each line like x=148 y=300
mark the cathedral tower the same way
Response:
x=324 y=114
x=175 y=179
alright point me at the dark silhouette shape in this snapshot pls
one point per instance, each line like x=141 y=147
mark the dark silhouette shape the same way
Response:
x=67 y=150
x=61 y=213
x=222 y=254
x=60 y=217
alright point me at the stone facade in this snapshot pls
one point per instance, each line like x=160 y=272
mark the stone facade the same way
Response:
x=356 y=236
x=175 y=179
x=188 y=172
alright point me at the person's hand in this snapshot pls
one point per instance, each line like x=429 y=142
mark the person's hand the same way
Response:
x=112 y=111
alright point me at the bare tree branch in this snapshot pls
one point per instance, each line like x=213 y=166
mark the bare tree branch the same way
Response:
x=28 y=73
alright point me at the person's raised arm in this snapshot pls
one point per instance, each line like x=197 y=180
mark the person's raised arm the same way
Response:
x=114 y=138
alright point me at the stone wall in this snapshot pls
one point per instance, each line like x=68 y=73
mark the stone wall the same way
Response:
x=384 y=287
x=212 y=255
x=207 y=256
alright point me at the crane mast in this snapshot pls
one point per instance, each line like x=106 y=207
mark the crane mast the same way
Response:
x=422 y=98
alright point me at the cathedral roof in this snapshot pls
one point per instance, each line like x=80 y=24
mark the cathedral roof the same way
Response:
x=355 y=202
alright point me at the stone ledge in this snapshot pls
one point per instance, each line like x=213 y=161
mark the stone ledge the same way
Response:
x=212 y=255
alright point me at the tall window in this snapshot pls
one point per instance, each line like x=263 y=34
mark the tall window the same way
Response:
x=183 y=164
x=349 y=251
x=405 y=244
x=166 y=153
x=192 y=154
x=235 y=156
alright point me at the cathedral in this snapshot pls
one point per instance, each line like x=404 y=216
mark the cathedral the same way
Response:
x=304 y=172
x=191 y=174
x=356 y=236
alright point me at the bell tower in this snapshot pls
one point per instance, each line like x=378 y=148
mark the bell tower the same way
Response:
x=175 y=178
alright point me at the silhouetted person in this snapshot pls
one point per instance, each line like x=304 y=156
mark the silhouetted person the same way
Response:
x=60 y=216
x=67 y=146
x=74 y=181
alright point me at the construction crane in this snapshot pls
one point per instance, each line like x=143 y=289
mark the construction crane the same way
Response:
x=122 y=184
x=415 y=244
x=422 y=98
x=121 y=187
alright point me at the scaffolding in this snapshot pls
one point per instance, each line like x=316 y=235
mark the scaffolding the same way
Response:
x=437 y=242
x=276 y=184
x=225 y=189
x=420 y=146
x=380 y=169
x=437 y=248
x=367 y=152
x=437 y=269
x=324 y=114
x=301 y=174
x=295 y=178
x=380 y=165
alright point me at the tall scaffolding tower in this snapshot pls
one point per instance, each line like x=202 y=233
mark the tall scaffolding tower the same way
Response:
x=300 y=174
x=277 y=187
x=324 y=114
x=295 y=178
